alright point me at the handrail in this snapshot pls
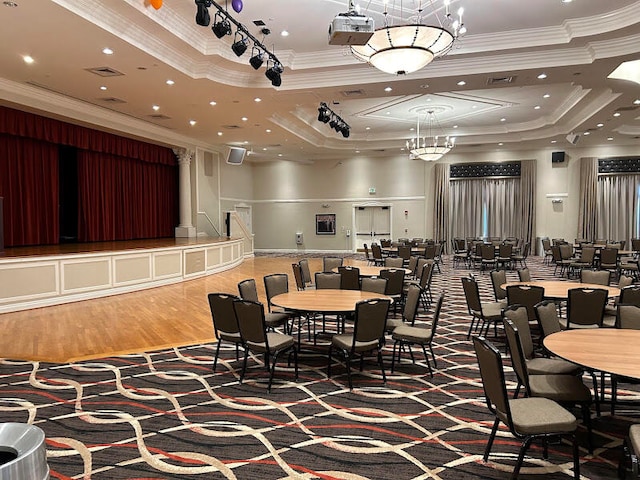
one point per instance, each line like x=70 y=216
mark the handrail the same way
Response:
x=210 y=222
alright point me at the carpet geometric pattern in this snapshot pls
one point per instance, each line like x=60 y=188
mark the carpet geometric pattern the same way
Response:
x=166 y=414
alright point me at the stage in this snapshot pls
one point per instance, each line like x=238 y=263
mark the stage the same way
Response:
x=47 y=275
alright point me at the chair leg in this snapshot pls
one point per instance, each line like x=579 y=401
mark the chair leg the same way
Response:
x=384 y=375
x=576 y=458
x=244 y=364
x=487 y=449
x=426 y=357
x=614 y=393
x=393 y=355
x=347 y=361
x=523 y=449
x=215 y=359
x=433 y=356
x=586 y=418
x=329 y=364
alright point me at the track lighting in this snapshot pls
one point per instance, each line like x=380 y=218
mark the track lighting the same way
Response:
x=326 y=115
x=239 y=46
x=222 y=26
x=256 y=59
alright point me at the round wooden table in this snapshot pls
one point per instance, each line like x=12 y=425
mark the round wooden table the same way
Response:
x=610 y=350
x=328 y=300
x=371 y=271
x=559 y=290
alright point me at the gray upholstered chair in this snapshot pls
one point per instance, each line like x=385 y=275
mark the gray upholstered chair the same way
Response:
x=297 y=275
x=483 y=314
x=225 y=325
x=631 y=449
x=248 y=291
x=256 y=338
x=368 y=335
x=524 y=275
x=329 y=263
x=349 y=277
x=597 y=277
x=498 y=278
x=373 y=284
x=564 y=389
x=526 y=418
x=306 y=272
x=328 y=280
x=410 y=310
x=394 y=262
x=412 y=335
x=628 y=317
x=585 y=308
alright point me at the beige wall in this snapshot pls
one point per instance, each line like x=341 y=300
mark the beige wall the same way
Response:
x=286 y=196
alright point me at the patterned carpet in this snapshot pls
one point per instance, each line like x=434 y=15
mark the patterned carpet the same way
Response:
x=165 y=414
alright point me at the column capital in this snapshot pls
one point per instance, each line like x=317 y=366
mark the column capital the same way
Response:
x=184 y=155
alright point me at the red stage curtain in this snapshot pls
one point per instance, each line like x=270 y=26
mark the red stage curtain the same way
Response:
x=29 y=125
x=29 y=185
x=123 y=199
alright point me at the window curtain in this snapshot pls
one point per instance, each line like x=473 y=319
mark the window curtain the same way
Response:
x=123 y=199
x=617 y=207
x=501 y=197
x=29 y=185
x=441 y=203
x=465 y=208
x=525 y=225
x=587 y=210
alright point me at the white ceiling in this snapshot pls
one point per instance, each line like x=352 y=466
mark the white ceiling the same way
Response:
x=577 y=44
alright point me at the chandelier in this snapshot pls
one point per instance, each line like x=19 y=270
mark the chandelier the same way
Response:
x=406 y=48
x=430 y=147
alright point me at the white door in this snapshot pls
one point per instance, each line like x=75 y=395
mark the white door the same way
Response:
x=372 y=223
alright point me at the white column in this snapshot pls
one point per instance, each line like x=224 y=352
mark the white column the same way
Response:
x=185 y=228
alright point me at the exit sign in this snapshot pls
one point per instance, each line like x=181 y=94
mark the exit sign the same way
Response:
x=372 y=189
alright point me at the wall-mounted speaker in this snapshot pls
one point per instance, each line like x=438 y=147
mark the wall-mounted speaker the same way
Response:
x=557 y=157
x=236 y=155
x=573 y=138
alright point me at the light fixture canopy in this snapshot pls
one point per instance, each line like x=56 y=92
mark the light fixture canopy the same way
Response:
x=431 y=147
x=403 y=49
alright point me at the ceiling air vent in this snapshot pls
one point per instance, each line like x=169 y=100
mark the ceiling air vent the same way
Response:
x=353 y=93
x=104 y=71
x=159 y=116
x=501 y=80
x=112 y=100
x=231 y=127
x=627 y=109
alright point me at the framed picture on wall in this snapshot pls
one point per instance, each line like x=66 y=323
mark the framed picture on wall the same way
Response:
x=326 y=224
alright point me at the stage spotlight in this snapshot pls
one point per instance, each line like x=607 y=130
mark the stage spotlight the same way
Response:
x=333 y=123
x=221 y=27
x=345 y=132
x=239 y=46
x=323 y=114
x=202 y=15
x=257 y=59
x=273 y=74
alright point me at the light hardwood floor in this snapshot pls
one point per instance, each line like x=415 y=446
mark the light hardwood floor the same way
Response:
x=150 y=319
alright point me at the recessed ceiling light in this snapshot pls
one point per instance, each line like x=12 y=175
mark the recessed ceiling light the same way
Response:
x=246 y=142
x=219 y=134
x=388 y=89
x=546 y=95
x=156 y=108
x=257 y=99
x=244 y=119
x=170 y=82
x=264 y=149
x=636 y=101
x=279 y=154
x=107 y=51
x=357 y=151
x=388 y=113
x=610 y=138
x=367 y=128
x=461 y=83
x=192 y=122
x=284 y=33
x=537 y=107
x=503 y=119
x=268 y=130
x=103 y=87
x=554 y=141
x=617 y=114
x=542 y=76
x=28 y=59
x=500 y=144
x=213 y=103
x=567 y=1
x=455 y=126
x=587 y=133
x=411 y=129
x=600 y=125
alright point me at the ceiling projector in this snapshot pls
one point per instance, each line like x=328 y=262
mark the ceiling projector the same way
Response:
x=350 y=29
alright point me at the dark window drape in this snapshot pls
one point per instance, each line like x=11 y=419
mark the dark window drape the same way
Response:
x=123 y=199
x=29 y=185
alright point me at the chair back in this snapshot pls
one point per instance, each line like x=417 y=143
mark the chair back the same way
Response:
x=395 y=280
x=499 y=277
x=488 y=252
x=517 y=314
x=393 y=262
x=370 y=323
x=524 y=275
x=505 y=250
x=526 y=250
x=472 y=295
x=546 y=244
x=608 y=257
x=587 y=255
x=385 y=243
x=527 y=296
x=222 y=313
x=404 y=252
x=555 y=253
x=349 y=278
x=374 y=284
x=329 y=263
x=624 y=281
x=493 y=382
x=459 y=245
x=566 y=251
x=630 y=295
x=251 y=324
x=411 y=304
x=628 y=316
x=518 y=362
x=635 y=244
x=547 y=315
x=436 y=314
x=601 y=241
x=248 y=290
x=376 y=252
x=328 y=280
x=430 y=251
x=585 y=306
x=366 y=252
x=597 y=277
x=426 y=275
x=306 y=273
x=297 y=274
x=275 y=284
x=413 y=265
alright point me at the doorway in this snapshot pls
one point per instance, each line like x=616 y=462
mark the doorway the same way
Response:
x=372 y=223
